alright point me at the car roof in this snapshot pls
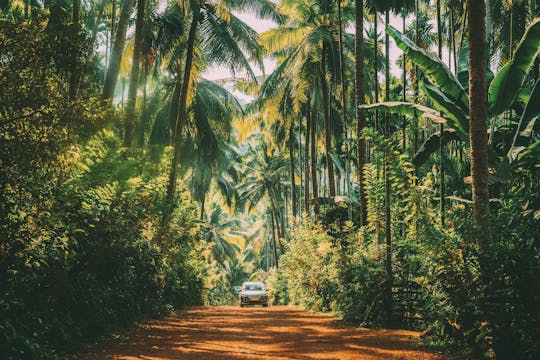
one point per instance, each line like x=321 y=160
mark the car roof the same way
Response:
x=253 y=283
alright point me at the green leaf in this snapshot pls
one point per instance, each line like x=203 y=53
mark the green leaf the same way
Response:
x=407 y=108
x=527 y=123
x=459 y=119
x=337 y=162
x=507 y=84
x=435 y=70
x=431 y=145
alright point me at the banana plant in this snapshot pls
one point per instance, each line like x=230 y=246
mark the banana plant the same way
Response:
x=449 y=96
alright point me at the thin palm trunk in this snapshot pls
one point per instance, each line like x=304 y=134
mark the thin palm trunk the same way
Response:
x=113 y=25
x=129 y=123
x=274 y=241
x=75 y=72
x=291 y=164
x=376 y=66
x=387 y=192
x=117 y=50
x=346 y=182
x=417 y=42
x=441 y=126
x=327 y=127
x=360 y=115
x=478 y=119
x=313 y=157
x=306 y=159
x=144 y=115
x=404 y=94
x=182 y=105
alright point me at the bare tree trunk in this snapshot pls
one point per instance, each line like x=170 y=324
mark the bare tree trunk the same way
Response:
x=376 y=66
x=76 y=68
x=478 y=119
x=313 y=144
x=291 y=163
x=118 y=48
x=387 y=198
x=113 y=26
x=360 y=115
x=182 y=105
x=441 y=126
x=274 y=239
x=306 y=159
x=129 y=123
x=327 y=127
x=346 y=182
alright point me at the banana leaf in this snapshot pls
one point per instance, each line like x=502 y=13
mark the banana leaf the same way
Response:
x=507 y=84
x=459 y=119
x=436 y=71
x=337 y=161
x=431 y=145
x=527 y=123
x=407 y=108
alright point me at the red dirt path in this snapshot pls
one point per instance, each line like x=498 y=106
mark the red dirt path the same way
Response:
x=279 y=332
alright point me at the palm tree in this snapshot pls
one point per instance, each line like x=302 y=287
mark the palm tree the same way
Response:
x=216 y=230
x=225 y=39
x=478 y=118
x=305 y=47
x=129 y=122
x=117 y=50
x=360 y=100
x=265 y=178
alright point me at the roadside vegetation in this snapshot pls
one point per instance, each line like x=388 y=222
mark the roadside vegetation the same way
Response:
x=394 y=195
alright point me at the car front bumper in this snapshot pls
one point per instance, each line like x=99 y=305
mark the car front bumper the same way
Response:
x=253 y=300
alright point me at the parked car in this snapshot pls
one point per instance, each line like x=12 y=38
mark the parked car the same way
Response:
x=253 y=293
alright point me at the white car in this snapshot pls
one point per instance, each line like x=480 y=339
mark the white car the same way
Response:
x=253 y=293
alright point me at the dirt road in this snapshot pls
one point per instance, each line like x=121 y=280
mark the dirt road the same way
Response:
x=278 y=332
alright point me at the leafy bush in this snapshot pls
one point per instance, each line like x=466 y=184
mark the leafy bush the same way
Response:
x=84 y=244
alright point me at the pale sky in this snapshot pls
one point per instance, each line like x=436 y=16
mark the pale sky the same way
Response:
x=216 y=73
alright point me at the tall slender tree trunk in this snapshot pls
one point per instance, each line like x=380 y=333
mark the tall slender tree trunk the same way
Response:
x=117 y=50
x=76 y=11
x=360 y=115
x=417 y=42
x=387 y=191
x=76 y=68
x=404 y=93
x=144 y=115
x=376 y=66
x=327 y=127
x=441 y=126
x=313 y=157
x=182 y=104
x=291 y=164
x=306 y=158
x=129 y=123
x=113 y=26
x=274 y=241
x=478 y=119
x=346 y=180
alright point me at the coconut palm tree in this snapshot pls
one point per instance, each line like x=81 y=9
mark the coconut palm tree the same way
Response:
x=129 y=123
x=117 y=50
x=265 y=179
x=478 y=118
x=305 y=47
x=224 y=39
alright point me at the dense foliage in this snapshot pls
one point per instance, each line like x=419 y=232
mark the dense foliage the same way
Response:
x=84 y=246
x=131 y=185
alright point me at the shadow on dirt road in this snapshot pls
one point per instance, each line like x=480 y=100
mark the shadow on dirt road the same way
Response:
x=226 y=332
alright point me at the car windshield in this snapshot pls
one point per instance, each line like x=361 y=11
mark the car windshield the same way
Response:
x=253 y=287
